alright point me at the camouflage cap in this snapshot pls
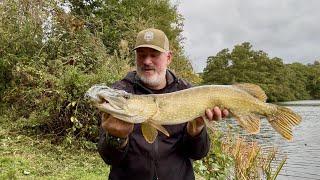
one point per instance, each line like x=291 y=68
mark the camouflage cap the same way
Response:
x=152 y=38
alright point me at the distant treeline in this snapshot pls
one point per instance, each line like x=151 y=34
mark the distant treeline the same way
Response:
x=281 y=82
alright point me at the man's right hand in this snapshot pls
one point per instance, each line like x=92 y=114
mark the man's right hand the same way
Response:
x=115 y=126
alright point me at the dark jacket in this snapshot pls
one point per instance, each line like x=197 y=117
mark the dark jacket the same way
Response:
x=168 y=158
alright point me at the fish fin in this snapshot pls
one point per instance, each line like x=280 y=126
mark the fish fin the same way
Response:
x=283 y=120
x=250 y=122
x=159 y=127
x=209 y=124
x=149 y=132
x=253 y=89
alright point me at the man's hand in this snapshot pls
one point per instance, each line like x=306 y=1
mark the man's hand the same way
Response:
x=115 y=126
x=195 y=127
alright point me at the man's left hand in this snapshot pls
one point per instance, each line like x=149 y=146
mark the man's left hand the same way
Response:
x=195 y=127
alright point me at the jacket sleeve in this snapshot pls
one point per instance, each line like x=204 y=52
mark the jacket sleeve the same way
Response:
x=198 y=146
x=109 y=154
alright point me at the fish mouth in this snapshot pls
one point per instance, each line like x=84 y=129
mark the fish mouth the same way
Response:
x=111 y=101
x=115 y=105
x=111 y=108
x=112 y=105
x=119 y=113
x=116 y=101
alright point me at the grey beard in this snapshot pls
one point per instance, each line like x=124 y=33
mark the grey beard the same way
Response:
x=154 y=80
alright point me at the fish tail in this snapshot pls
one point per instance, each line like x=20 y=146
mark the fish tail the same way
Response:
x=282 y=120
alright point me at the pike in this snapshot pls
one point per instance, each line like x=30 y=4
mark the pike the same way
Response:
x=245 y=102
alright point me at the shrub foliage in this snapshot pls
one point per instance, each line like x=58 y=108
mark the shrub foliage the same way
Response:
x=50 y=56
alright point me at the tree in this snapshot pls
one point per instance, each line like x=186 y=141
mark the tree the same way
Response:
x=243 y=64
x=21 y=35
x=313 y=84
x=116 y=21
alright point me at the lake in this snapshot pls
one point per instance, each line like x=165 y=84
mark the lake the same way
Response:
x=303 y=152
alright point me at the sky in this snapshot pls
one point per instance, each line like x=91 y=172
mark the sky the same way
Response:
x=288 y=29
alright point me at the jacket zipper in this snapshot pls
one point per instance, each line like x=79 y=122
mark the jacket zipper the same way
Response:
x=156 y=152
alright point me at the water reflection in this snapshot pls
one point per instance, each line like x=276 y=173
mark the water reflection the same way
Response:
x=303 y=152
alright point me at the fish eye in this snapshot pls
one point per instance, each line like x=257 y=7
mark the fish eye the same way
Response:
x=126 y=96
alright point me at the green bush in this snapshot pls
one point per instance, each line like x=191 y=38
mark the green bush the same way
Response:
x=49 y=58
x=218 y=164
x=47 y=85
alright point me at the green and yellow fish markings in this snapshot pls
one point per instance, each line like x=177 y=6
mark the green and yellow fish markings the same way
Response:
x=245 y=102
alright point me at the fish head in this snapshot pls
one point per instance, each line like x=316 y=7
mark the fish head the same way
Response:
x=119 y=103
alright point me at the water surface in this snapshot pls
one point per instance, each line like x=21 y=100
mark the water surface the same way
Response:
x=303 y=152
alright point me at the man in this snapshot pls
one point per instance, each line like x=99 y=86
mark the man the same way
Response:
x=122 y=145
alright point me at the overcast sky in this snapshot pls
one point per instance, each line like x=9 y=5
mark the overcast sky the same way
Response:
x=288 y=29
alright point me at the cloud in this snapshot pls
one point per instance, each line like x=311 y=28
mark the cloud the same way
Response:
x=287 y=29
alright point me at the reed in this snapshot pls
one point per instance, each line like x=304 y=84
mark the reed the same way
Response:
x=234 y=157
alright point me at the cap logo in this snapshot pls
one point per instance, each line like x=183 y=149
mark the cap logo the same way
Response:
x=148 y=36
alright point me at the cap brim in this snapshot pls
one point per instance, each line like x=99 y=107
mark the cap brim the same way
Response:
x=151 y=46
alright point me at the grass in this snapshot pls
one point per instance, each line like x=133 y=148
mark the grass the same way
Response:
x=25 y=156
